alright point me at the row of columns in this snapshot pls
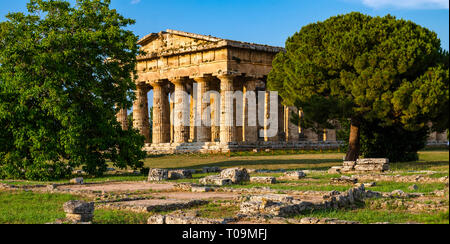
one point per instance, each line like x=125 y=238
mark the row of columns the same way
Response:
x=177 y=121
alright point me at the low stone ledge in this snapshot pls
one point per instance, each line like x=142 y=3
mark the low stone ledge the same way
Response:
x=343 y=180
x=293 y=175
x=177 y=220
x=285 y=207
x=263 y=180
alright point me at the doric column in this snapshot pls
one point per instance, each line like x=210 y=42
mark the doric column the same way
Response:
x=250 y=129
x=193 y=113
x=122 y=118
x=181 y=111
x=141 y=120
x=161 y=113
x=203 y=101
x=281 y=135
x=172 y=115
x=227 y=129
x=330 y=135
x=292 y=129
x=215 y=111
x=238 y=109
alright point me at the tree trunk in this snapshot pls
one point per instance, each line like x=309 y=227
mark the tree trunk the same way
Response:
x=353 y=145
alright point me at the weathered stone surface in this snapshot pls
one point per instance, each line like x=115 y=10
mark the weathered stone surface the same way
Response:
x=78 y=207
x=236 y=175
x=79 y=218
x=313 y=221
x=215 y=180
x=201 y=189
x=78 y=181
x=276 y=206
x=263 y=180
x=158 y=175
x=182 y=220
x=294 y=175
x=335 y=170
x=179 y=174
x=343 y=180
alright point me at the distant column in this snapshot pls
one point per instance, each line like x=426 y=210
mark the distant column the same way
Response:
x=122 y=118
x=250 y=128
x=141 y=120
x=292 y=132
x=161 y=115
x=181 y=111
x=215 y=111
x=193 y=137
x=204 y=101
x=227 y=130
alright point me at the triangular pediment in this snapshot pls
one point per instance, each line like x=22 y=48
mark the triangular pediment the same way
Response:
x=174 y=41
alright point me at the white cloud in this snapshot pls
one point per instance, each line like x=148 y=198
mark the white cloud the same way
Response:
x=135 y=1
x=410 y=4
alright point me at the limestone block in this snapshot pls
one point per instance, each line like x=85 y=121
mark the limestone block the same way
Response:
x=294 y=175
x=201 y=189
x=215 y=180
x=335 y=170
x=158 y=175
x=157 y=220
x=344 y=180
x=78 y=181
x=237 y=175
x=263 y=180
x=79 y=218
x=78 y=207
x=179 y=174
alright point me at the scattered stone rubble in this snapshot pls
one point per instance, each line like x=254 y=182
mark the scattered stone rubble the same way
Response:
x=343 y=180
x=326 y=221
x=182 y=220
x=276 y=205
x=237 y=175
x=79 y=211
x=77 y=181
x=362 y=165
x=158 y=174
x=215 y=180
x=403 y=178
x=263 y=180
x=179 y=174
x=165 y=174
x=293 y=175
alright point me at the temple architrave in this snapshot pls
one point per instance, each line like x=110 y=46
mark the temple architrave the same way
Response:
x=192 y=77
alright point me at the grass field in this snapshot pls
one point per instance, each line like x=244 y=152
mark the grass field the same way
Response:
x=20 y=207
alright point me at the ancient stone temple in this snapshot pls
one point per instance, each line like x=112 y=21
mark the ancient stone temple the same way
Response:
x=209 y=95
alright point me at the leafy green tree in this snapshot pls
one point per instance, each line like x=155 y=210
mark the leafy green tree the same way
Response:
x=365 y=69
x=63 y=70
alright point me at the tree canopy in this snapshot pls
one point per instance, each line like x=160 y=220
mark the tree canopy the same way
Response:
x=64 y=73
x=366 y=69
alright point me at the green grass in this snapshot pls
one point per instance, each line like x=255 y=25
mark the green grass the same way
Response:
x=31 y=208
x=368 y=216
x=301 y=161
x=119 y=217
x=39 y=208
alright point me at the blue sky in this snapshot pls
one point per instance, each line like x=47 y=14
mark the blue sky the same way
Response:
x=262 y=21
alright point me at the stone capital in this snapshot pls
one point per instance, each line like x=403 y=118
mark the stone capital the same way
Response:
x=179 y=80
x=157 y=83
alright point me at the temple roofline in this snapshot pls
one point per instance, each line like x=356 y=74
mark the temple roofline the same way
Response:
x=220 y=41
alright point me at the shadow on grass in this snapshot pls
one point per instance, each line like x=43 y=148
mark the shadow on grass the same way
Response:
x=418 y=165
x=302 y=163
